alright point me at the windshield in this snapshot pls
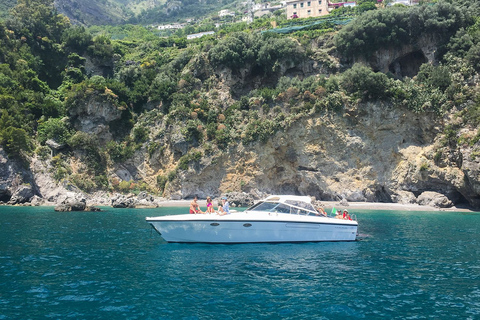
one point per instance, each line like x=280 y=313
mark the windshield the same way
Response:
x=282 y=208
x=301 y=204
x=263 y=206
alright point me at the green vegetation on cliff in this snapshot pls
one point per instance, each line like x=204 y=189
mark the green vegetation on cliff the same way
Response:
x=199 y=98
x=399 y=26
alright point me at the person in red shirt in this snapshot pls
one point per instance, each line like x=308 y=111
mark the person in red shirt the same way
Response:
x=194 y=207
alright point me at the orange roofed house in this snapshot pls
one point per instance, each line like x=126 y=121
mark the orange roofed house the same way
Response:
x=306 y=8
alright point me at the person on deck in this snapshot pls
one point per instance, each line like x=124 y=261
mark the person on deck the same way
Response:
x=194 y=207
x=209 y=206
x=321 y=212
x=346 y=216
x=225 y=208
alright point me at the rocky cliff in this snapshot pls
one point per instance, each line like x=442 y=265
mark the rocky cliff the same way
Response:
x=367 y=152
x=370 y=152
x=361 y=149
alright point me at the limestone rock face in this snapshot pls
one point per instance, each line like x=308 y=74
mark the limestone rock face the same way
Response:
x=368 y=152
x=7 y=174
x=122 y=201
x=240 y=199
x=404 y=197
x=373 y=153
x=49 y=189
x=94 y=116
x=22 y=194
x=71 y=202
x=16 y=183
x=36 y=201
x=434 y=199
x=468 y=181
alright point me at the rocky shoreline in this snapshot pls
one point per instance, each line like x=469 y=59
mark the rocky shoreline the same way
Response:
x=72 y=201
x=23 y=188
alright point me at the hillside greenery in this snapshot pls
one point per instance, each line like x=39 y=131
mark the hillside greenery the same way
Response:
x=163 y=84
x=5 y=6
x=116 y=12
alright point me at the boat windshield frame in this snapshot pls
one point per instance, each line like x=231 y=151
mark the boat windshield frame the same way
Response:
x=297 y=207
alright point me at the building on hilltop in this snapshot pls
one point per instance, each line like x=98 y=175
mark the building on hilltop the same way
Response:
x=306 y=8
x=170 y=26
x=199 y=35
x=226 y=13
x=313 y=8
x=404 y=2
x=265 y=8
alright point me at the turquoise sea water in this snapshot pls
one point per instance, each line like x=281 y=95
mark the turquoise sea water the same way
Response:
x=99 y=265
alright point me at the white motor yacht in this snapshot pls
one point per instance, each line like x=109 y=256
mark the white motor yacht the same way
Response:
x=278 y=218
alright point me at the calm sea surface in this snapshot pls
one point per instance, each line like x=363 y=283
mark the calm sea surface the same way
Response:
x=110 y=265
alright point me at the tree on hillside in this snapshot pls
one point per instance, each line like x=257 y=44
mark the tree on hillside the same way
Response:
x=35 y=19
x=397 y=26
x=38 y=24
x=263 y=52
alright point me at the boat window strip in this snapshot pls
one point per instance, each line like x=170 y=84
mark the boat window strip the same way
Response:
x=291 y=205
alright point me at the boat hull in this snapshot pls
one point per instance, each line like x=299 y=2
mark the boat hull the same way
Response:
x=245 y=231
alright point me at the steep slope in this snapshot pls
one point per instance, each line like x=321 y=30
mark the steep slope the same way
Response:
x=113 y=12
x=93 y=12
x=109 y=12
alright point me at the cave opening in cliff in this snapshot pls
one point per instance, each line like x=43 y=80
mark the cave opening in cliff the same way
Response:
x=381 y=195
x=459 y=200
x=5 y=196
x=407 y=65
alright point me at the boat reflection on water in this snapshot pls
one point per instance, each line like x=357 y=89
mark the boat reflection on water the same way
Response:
x=278 y=218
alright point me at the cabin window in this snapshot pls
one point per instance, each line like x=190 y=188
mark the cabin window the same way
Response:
x=299 y=211
x=301 y=204
x=263 y=206
x=282 y=208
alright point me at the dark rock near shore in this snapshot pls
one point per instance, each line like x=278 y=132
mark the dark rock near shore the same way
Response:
x=72 y=206
x=22 y=195
x=72 y=202
x=122 y=201
x=62 y=208
x=145 y=196
x=92 y=209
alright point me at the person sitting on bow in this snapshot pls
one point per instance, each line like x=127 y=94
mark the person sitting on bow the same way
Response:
x=225 y=208
x=194 y=207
